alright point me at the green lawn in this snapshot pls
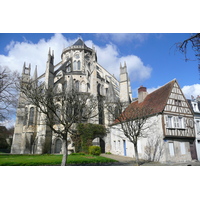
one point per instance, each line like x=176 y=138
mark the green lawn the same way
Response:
x=50 y=160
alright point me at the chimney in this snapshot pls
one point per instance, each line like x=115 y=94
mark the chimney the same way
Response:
x=142 y=93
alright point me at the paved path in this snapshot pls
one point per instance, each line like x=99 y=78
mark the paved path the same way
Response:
x=122 y=160
x=128 y=161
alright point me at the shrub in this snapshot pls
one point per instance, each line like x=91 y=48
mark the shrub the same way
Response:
x=95 y=150
x=86 y=133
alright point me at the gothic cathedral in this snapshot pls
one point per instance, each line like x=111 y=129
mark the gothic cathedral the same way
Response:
x=78 y=63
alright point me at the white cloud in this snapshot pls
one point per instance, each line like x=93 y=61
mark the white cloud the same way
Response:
x=193 y=90
x=109 y=58
x=36 y=54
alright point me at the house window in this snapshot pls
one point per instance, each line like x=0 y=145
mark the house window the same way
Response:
x=179 y=122
x=169 y=123
x=195 y=107
x=115 y=146
x=177 y=102
x=182 y=146
x=175 y=122
x=171 y=148
x=118 y=144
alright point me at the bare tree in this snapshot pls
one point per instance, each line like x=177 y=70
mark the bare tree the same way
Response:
x=61 y=109
x=154 y=148
x=8 y=92
x=194 y=41
x=132 y=121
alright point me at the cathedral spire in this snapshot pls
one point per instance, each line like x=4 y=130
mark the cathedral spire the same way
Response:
x=50 y=57
x=35 y=74
x=24 y=68
x=34 y=78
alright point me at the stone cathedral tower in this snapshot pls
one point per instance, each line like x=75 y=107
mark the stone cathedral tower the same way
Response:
x=78 y=68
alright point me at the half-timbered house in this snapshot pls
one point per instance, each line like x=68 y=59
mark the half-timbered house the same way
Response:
x=170 y=120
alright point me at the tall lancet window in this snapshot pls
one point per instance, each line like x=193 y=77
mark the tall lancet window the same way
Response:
x=79 y=65
x=25 y=116
x=75 y=66
x=77 y=85
x=31 y=116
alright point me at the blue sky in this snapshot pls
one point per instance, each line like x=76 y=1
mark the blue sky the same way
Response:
x=152 y=58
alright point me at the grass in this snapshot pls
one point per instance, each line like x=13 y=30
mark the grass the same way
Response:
x=50 y=160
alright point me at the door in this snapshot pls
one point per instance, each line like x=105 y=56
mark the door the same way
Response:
x=102 y=145
x=124 y=144
x=193 y=150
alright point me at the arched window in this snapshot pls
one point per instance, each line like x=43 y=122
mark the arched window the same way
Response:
x=58 y=115
x=25 y=116
x=77 y=85
x=83 y=87
x=99 y=89
x=79 y=65
x=68 y=69
x=31 y=116
x=75 y=66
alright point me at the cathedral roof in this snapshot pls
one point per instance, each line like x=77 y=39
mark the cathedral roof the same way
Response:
x=79 y=42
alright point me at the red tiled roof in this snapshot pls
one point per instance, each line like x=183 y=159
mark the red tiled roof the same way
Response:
x=155 y=102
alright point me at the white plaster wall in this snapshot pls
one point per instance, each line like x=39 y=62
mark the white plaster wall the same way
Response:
x=153 y=126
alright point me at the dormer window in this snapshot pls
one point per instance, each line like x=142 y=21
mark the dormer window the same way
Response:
x=195 y=107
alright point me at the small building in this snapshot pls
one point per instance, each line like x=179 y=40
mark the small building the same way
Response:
x=195 y=105
x=170 y=122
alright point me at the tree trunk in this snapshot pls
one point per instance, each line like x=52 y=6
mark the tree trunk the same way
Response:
x=65 y=152
x=136 y=154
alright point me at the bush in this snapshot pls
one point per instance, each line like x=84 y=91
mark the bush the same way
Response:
x=95 y=150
